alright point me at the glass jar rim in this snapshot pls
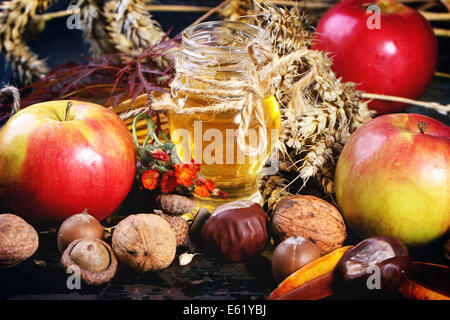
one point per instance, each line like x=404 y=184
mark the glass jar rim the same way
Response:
x=253 y=33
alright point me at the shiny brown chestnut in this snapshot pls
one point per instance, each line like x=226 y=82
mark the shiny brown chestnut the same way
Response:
x=237 y=229
x=292 y=254
x=381 y=256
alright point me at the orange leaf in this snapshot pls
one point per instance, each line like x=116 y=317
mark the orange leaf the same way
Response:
x=311 y=271
x=414 y=291
x=315 y=289
x=427 y=281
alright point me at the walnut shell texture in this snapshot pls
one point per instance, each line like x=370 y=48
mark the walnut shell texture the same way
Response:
x=90 y=277
x=18 y=240
x=145 y=242
x=311 y=218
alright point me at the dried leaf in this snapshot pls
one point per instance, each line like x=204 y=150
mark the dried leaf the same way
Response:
x=414 y=291
x=311 y=271
x=106 y=80
x=427 y=281
x=315 y=289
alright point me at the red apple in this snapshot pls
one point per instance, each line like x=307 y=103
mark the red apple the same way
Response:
x=397 y=59
x=58 y=158
x=393 y=178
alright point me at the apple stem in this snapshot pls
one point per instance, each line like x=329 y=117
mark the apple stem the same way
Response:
x=66 y=113
x=422 y=126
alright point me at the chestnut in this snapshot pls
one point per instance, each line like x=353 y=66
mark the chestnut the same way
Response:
x=292 y=254
x=237 y=229
x=381 y=256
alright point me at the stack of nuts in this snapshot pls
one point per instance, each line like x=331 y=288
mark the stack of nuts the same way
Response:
x=80 y=240
x=144 y=242
x=306 y=227
x=308 y=262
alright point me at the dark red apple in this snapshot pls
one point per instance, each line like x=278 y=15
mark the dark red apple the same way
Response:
x=58 y=158
x=398 y=58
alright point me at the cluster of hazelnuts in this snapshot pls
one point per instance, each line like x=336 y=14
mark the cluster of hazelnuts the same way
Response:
x=144 y=242
x=237 y=230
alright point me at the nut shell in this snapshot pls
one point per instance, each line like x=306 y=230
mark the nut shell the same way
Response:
x=181 y=228
x=90 y=277
x=237 y=229
x=18 y=240
x=175 y=204
x=91 y=255
x=311 y=218
x=78 y=226
x=292 y=254
x=145 y=242
x=387 y=253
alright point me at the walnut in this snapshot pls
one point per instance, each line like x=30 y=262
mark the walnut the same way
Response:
x=93 y=259
x=309 y=217
x=18 y=240
x=145 y=242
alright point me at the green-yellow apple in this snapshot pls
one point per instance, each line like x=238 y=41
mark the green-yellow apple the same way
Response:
x=58 y=158
x=393 y=178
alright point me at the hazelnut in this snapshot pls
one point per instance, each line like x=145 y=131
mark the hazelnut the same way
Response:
x=92 y=258
x=291 y=255
x=90 y=255
x=145 y=242
x=174 y=204
x=311 y=218
x=237 y=229
x=78 y=226
x=18 y=240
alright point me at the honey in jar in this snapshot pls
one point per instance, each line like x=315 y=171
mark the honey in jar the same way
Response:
x=217 y=53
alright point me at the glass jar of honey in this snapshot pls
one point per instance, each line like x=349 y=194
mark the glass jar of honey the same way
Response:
x=226 y=120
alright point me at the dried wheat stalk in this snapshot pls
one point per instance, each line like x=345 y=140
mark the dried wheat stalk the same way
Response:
x=130 y=26
x=289 y=27
x=15 y=16
x=119 y=26
x=94 y=27
x=318 y=111
x=238 y=10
